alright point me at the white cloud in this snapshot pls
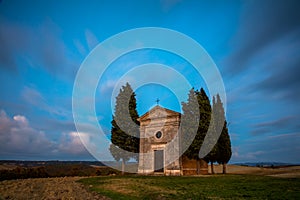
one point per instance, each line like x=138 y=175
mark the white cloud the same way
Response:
x=4 y=121
x=72 y=143
x=18 y=140
x=16 y=136
x=253 y=155
x=239 y=156
x=108 y=86
x=21 y=119
x=235 y=152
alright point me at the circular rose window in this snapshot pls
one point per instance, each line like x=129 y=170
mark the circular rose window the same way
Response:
x=158 y=135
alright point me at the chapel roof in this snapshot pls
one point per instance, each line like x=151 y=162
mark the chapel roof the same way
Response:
x=158 y=108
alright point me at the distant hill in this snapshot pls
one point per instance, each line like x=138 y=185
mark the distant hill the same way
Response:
x=25 y=163
x=266 y=164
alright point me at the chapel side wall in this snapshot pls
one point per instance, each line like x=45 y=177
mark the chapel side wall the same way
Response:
x=189 y=166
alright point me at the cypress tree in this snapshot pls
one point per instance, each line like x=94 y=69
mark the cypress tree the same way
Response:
x=125 y=127
x=207 y=118
x=190 y=143
x=202 y=114
x=224 y=143
x=213 y=154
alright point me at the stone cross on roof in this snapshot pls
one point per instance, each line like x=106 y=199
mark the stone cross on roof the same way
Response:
x=157 y=101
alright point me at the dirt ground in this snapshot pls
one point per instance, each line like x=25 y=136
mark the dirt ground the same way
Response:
x=45 y=188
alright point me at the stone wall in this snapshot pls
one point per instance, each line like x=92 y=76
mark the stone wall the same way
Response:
x=168 y=123
x=189 y=166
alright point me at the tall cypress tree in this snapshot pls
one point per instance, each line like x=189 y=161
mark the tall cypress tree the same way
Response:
x=213 y=154
x=204 y=114
x=224 y=143
x=190 y=142
x=125 y=127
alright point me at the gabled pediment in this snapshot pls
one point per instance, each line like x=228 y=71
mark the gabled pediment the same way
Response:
x=158 y=112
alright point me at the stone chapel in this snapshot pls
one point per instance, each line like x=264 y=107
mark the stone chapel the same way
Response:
x=160 y=145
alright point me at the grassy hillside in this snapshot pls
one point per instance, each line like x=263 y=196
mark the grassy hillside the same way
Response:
x=204 y=187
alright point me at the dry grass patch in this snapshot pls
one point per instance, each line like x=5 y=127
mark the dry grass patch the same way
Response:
x=133 y=187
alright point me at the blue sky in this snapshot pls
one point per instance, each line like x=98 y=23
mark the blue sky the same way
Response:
x=255 y=45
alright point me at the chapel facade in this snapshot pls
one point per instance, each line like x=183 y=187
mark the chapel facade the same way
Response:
x=160 y=145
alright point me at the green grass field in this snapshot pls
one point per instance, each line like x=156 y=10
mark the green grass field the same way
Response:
x=204 y=187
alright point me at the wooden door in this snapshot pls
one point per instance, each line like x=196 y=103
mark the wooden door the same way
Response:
x=159 y=161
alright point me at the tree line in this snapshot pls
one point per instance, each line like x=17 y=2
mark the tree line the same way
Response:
x=55 y=170
x=196 y=126
x=207 y=115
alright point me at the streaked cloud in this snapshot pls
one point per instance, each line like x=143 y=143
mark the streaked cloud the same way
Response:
x=262 y=24
x=91 y=39
x=35 y=98
x=38 y=46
